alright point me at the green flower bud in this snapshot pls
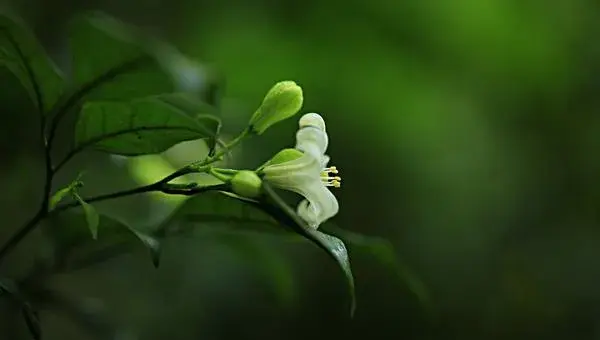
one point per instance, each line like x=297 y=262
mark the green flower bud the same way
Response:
x=282 y=101
x=246 y=183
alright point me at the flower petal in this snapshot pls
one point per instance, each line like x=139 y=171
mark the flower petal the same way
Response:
x=313 y=141
x=312 y=119
x=319 y=206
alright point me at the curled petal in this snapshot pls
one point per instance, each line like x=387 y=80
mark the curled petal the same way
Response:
x=313 y=141
x=312 y=119
x=319 y=206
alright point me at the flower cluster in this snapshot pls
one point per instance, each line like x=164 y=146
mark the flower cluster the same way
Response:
x=303 y=169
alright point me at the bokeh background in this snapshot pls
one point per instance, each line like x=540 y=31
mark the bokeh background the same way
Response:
x=467 y=132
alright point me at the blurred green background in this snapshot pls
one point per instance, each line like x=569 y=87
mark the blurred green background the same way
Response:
x=466 y=132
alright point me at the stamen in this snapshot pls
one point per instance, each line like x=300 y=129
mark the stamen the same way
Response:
x=331 y=181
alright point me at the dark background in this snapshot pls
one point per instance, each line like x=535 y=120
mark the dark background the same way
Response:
x=467 y=132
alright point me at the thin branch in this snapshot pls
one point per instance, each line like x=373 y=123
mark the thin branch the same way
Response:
x=30 y=225
x=161 y=186
x=155 y=187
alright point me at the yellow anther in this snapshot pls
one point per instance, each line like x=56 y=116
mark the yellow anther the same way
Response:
x=331 y=181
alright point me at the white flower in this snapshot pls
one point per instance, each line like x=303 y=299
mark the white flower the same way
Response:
x=304 y=170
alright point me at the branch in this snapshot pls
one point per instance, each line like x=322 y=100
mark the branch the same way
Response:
x=159 y=186
x=155 y=187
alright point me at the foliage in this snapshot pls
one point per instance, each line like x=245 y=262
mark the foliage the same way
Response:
x=132 y=95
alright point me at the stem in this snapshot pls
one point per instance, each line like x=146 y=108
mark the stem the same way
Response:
x=161 y=185
x=237 y=140
x=118 y=194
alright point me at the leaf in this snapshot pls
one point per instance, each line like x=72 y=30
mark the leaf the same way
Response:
x=91 y=217
x=25 y=57
x=59 y=196
x=214 y=207
x=143 y=126
x=91 y=314
x=237 y=216
x=384 y=252
x=62 y=193
x=112 y=61
x=74 y=248
x=333 y=246
x=32 y=320
x=274 y=269
x=219 y=207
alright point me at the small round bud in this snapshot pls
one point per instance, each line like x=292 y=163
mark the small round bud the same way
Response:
x=282 y=101
x=247 y=184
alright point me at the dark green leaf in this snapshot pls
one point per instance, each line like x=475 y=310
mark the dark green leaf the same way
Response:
x=244 y=214
x=24 y=56
x=111 y=61
x=219 y=207
x=332 y=245
x=235 y=216
x=32 y=320
x=143 y=126
x=89 y=313
x=384 y=252
x=75 y=249
x=275 y=269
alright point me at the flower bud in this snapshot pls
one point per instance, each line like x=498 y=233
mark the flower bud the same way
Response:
x=247 y=184
x=282 y=101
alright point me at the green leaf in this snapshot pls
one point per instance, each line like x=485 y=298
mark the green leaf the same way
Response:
x=112 y=61
x=333 y=246
x=383 y=251
x=249 y=215
x=25 y=57
x=74 y=248
x=275 y=270
x=214 y=207
x=143 y=126
x=59 y=196
x=233 y=216
x=62 y=193
x=92 y=315
x=91 y=216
